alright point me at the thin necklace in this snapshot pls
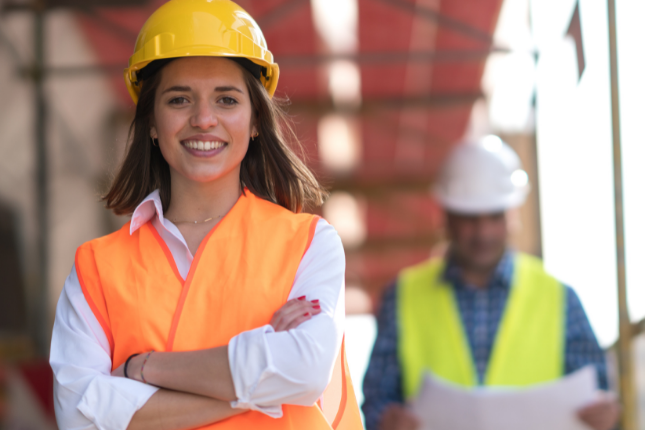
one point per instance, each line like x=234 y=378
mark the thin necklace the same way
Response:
x=196 y=222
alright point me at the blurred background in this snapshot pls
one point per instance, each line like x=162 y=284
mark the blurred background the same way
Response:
x=379 y=91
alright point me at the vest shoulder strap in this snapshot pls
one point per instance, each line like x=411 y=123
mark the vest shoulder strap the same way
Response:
x=529 y=347
x=431 y=335
x=89 y=278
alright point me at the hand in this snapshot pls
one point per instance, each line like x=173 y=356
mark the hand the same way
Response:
x=398 y=417
x=602 y=414
x=293 y=313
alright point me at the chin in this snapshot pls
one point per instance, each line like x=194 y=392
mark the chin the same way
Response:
x=204 y=175
x=486 y=261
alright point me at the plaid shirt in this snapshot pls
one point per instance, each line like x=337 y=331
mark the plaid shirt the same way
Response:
x=481 y=311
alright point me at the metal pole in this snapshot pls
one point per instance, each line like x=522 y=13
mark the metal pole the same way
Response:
x=625 y=356
x=41 y=314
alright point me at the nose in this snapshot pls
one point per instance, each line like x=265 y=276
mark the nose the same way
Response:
x=204 y=116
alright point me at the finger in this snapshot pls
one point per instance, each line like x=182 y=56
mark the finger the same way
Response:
x=599 y=420
x=296 y=322
x=279 y=322
x=291 y=310
x=298 y=303
x=410 y=419
x=298 y=309
x=295 y=317
x=287 y=307
x=598 y=409
x=290 y=305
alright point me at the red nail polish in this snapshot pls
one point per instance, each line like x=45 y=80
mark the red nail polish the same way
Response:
x=315 y=301
x=306 y=315
x=301 y=297
x=316 y=307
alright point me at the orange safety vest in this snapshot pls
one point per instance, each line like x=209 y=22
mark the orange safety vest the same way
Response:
x=242 y=273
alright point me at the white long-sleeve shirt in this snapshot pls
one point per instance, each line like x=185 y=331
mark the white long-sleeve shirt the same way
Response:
x=268 y=368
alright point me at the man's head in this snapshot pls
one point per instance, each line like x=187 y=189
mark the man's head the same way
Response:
x=477 y=241
x=478 y=184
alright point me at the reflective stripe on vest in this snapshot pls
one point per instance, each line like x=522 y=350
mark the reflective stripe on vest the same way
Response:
x=529 y=345
x=242 y=273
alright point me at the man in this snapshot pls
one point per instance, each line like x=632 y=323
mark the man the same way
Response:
x=484 y=315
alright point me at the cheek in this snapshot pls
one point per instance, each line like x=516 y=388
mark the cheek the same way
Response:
x=169 y=123
x=240 y=125
x=239 y=130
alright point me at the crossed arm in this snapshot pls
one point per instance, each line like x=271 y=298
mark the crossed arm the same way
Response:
x=269 y=369
x=87 y=396
x=197 y=386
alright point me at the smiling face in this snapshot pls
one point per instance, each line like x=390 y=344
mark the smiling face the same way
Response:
x=203 y=118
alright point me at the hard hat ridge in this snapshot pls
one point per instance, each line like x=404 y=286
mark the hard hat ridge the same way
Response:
x=482 y=177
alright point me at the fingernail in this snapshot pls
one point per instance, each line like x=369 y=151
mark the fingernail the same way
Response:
x=316 y=307
x=306 y=315
x=315 y=301
x=301 y=297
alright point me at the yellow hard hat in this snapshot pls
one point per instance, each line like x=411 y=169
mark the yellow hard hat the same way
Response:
x=192 y=28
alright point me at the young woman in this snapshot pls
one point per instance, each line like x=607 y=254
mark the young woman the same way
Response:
x=219 y=305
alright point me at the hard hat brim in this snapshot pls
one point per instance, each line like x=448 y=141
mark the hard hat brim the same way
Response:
x=270 y=82
x=484 y=205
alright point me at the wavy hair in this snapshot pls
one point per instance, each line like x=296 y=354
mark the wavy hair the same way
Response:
x=270 y=170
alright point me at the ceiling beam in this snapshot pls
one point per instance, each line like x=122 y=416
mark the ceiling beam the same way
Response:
x=17 y=5
x=276 y=15
x=378 y=58
x=382 y=187
x=388 y=124
x=113 y=27
x=76 y=71
x=286 y=61
x=369 y=106
x=442 y=20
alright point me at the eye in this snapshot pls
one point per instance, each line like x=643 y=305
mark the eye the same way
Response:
x=229 y=101
x=178 y=101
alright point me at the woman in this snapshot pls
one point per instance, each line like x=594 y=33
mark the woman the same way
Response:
x=218 y=305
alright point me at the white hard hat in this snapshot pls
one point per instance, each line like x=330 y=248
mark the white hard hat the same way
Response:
x=482 y=177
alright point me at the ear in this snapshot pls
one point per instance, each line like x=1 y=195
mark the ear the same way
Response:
x=153 y=132
x=254 y=130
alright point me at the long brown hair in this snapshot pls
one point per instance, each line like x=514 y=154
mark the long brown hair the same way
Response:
x=271 y=169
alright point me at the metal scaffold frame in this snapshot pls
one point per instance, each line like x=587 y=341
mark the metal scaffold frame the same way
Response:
x=625 y=352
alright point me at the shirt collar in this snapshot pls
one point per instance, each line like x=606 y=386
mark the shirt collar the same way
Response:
x=502 y=276
x=146 y=210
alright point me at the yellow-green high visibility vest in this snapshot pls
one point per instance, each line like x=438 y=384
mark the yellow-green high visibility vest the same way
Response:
x=529 y=345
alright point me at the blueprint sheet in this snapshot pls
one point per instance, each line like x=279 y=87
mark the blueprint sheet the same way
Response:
x=444 y=406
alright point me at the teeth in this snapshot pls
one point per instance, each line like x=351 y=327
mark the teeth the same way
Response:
x=203 y=146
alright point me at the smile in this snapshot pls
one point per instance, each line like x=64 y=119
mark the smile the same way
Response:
x=200 y=145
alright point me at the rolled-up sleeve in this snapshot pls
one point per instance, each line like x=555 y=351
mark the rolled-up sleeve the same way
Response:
x=86 y=396
x=294 y=367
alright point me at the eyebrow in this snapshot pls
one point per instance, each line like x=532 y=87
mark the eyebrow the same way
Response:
x=175 y=88
x=228 y=88
x=218 y=89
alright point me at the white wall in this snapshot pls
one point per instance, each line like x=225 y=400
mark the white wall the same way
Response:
x=575 y=155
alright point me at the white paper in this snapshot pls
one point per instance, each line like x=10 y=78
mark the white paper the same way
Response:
x=442 y=405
